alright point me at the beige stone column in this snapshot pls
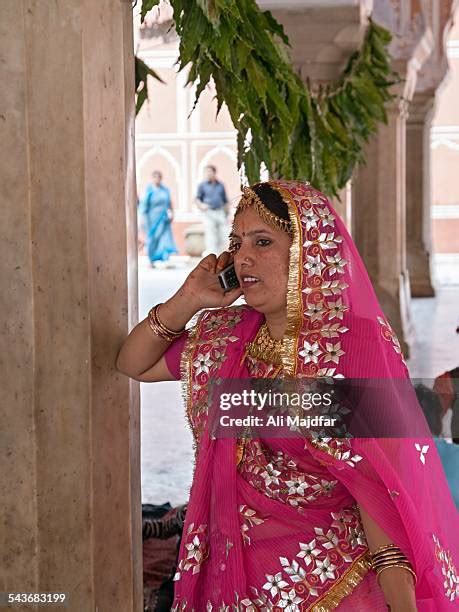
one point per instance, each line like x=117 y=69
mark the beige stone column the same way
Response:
x=378 y=212
x=69 y=439
x=379 y=188
x=430 y=78
x=418 y=194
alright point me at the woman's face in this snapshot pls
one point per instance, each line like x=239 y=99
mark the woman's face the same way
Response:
x=261 y=258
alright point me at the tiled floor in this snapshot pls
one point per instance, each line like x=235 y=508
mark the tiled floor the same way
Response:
x=167 y=455
x=436 y=344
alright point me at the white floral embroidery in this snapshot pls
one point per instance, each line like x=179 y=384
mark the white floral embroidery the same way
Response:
x=337 y=263
x=326 y=216
x=329 y=540
x=274 y=584
x=314 y=265
x=270 y=475
x=325 y=570
x=449 y=571
x=297 y=486
x=250 y=519
x=333 y=352
x=289 y=601
x=203 y=363
x=308 y=551
x=422 y=450
x=389 y=335
x=337 y=309
x=309 y=218
x=325 y=241
x=340 y=519
x=357 y=537
x=315 y=311
x=310 y=352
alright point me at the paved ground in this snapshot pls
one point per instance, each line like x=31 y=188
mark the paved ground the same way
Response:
x=436 y=345
x=167 y=455
x=166 y=451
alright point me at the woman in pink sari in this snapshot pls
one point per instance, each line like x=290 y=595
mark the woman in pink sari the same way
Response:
x=297 y=523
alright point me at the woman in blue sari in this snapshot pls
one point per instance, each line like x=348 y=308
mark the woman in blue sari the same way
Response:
x=156 y=215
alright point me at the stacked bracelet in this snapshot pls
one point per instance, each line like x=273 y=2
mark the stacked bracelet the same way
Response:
x=159 y=328
x=386 y=557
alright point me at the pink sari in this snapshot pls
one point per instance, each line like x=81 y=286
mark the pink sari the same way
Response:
x=281 y=530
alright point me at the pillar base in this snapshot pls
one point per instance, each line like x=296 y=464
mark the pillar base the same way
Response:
x=420 y=273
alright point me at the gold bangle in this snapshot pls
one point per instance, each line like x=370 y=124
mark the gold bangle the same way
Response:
x=390 y=562
x=166 y=330
x=385 y=547
x=405 y=567
x=389 y=551
x=158 y=327
x=158 y=331
x=389 y=555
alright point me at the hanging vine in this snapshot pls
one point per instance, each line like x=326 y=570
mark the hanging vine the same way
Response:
x=280 y=123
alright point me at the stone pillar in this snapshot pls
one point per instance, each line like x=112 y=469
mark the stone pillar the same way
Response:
x=379 y=197
x=430 y=78
x=378 y=215
x=343 y=205
x=69 y=440
x=418 y=194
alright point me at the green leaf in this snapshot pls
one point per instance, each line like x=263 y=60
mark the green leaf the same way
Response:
x=142 y=71
x=257 y=77
x=295 y=133
x=276 y=27
x=210 y=10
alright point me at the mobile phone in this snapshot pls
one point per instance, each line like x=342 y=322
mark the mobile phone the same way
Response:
x=228 y=279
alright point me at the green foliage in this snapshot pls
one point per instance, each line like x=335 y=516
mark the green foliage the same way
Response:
x=279 y=122
x=141 y=83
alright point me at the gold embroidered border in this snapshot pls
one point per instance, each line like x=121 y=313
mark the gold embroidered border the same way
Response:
x=294 y=284
x=344 y=587
x=186 y=364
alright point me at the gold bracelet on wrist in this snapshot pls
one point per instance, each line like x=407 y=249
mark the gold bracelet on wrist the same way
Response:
x=158 y=327
x=408 y=568
x=388 y=556
x=386 y=552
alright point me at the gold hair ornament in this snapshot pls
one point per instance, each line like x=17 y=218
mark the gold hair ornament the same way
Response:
x=250 y=199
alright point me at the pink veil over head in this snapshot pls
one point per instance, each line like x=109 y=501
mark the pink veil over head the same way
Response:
x=335 y=329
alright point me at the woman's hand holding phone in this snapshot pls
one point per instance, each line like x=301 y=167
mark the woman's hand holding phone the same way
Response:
x=203 y=287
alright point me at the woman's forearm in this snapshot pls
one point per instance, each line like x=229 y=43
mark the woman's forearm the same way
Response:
x=142 y=349
x=396 y=583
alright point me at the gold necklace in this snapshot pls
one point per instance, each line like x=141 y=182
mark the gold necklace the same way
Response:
x=264 y=347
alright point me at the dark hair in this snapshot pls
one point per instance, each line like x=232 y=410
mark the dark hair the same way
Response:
x=211 y=167
x=272 y=199
x=430 y=404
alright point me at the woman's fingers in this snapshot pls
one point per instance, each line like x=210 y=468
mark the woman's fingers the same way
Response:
x=223 y=260
x=231 y=296
x=208 y=263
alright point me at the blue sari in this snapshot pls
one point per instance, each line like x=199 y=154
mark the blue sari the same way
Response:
x=155 y=209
